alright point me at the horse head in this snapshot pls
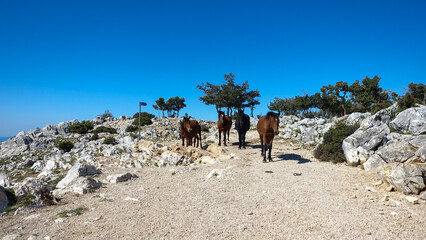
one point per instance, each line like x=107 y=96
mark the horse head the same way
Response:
x=220 y=115
x=186 y=124
x=274 y=120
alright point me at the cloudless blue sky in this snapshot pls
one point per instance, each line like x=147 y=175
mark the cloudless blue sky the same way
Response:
x=64 y=60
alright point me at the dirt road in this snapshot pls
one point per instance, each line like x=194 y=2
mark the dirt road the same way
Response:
x=295 y=197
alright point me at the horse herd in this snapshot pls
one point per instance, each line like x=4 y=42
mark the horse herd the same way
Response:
x=267 y=127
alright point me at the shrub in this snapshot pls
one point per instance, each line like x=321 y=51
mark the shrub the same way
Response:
x=109 y=140
x=131 y=128
x=104 y=129
x=94 y=137
x=331 y=147
x=204 y=128
x=82 y=127
x=145 y=119
x=66 y=146
x=107 y=114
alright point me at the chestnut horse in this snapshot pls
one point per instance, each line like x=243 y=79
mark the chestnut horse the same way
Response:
x=223 y=125
x=267 y=127
x=190 y=129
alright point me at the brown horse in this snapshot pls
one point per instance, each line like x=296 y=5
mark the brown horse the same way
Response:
x=223 y=125
x=190 y=129
x=267 y=127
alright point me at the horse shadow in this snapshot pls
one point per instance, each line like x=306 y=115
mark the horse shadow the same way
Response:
x=237 y=143
x=292 y=156
x=258 y=146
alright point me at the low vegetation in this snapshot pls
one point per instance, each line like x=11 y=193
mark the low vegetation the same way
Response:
x=331 y=147
x=66 y=146
x=104 y=129
x=81 y=128
x=145 y=119
x=109 y=140
x=75 y=212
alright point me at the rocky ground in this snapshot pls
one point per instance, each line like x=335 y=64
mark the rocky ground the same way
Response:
x=295 y=197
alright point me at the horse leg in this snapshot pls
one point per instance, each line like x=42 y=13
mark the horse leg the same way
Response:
x=219 y=137
x=261 y=144
x=224 y=137
x=264 y=148
x=228 y=134
x=270 y=149
x=244 y=140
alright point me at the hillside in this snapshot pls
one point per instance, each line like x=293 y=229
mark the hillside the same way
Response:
x=157 y=189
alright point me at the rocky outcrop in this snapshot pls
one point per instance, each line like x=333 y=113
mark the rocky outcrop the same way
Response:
x=359 y=146
x=398 y=149
x=116 y=178
x=406 y=178
x=412 y=120
x=39 y=193
x=76 y=181
x=4 y=201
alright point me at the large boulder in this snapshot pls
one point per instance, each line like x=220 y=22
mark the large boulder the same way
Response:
x=357 y=118
x=412 y=120
x=4 y=201
x=77 y=171
x=4 y=180
x=37 y=188
x=171 y=158
x=398 y=149
x=406 y=178
x=359 y=146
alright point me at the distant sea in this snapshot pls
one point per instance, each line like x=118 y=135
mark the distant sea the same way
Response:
x=2 y=139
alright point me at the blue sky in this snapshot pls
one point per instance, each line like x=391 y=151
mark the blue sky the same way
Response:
x=64 y=60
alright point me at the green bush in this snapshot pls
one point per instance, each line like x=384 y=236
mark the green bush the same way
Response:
x=66 y=146
x=104 y=129
x=131 y=128
x=144 y=115
x=204 y=128
x=145 y=119
x=94 y=137
x=331 y=147
x=107 y=114
x=82 y=127
x=109 y=140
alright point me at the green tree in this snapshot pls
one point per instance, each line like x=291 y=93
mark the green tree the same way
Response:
x=229 y=95
x=339 y=93
x=106 y=114
x=368 y=96
x=160 y=105
x=174 y=105
x=416 y=93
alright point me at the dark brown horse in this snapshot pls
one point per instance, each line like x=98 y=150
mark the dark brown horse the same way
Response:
x=189 y=130
x=223 y=125
x=267 y=127
x=242 y=125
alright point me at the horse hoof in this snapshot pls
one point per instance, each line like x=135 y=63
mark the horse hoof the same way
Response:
x=244 y=147
x=270 y=160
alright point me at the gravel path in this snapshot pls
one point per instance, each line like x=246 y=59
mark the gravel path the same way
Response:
x=295 y=197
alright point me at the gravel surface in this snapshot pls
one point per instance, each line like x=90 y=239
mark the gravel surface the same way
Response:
x=294 y=197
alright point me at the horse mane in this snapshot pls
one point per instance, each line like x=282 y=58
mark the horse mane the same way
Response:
x=271 y=114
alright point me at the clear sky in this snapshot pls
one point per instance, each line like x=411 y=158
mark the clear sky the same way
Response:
x=64 y=60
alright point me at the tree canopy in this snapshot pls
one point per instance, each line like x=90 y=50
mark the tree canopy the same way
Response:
x=341 y=98
x=229 y=95
x=173 y=105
